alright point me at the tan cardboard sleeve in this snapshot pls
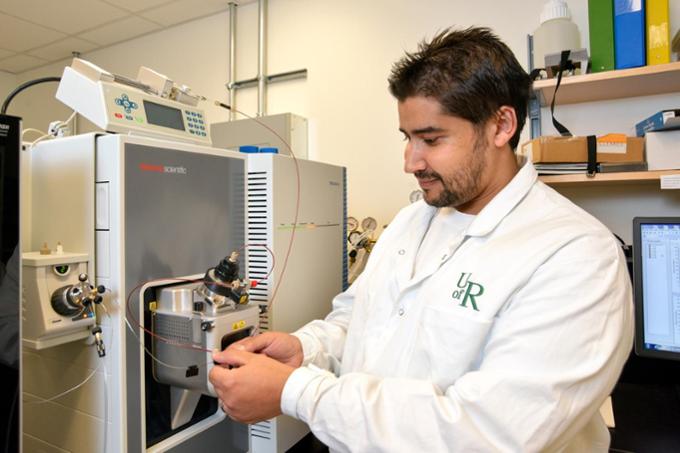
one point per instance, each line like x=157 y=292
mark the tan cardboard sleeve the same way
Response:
x=548 y=149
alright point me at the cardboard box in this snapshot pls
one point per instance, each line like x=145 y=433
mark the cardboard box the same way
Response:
x=663 y=150
x=610 y=148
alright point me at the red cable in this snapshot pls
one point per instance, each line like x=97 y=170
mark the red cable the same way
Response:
x=297 y=199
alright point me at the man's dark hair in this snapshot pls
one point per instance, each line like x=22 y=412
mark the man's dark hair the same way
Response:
x=471 y=73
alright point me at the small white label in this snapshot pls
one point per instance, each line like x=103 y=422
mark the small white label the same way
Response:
x=611 y=147
x=670 y=182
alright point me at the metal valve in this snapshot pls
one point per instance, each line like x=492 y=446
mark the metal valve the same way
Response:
x=72 y=300
x=99 y=341
x=222 y=286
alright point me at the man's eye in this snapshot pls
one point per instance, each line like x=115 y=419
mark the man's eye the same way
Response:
x=431 y=141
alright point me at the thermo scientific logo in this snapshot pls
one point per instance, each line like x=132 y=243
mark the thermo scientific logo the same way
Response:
x=163 y=169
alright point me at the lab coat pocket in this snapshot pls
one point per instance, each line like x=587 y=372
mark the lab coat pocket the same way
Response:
x=450 y=342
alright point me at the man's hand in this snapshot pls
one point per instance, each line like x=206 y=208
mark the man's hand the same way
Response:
x=250 y=392
x=280 y=346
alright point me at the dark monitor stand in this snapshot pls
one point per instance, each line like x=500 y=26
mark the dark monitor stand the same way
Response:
x=10 y=133
x=646 y=400
x=646 y=403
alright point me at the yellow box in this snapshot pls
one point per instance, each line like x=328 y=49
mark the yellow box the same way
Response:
x=658 y=32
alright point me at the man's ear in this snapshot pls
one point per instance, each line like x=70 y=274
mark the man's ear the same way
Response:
x=505 y=125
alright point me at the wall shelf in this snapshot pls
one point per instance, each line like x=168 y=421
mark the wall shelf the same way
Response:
x=622 y=83
x=632 y=177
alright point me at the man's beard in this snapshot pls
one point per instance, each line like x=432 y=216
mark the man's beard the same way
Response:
x=462 y=184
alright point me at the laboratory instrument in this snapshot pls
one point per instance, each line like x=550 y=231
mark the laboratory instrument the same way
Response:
x=360 y=246
x=154 y=211
x=415 y=195
x=151 y=105
x=316 y=269
x=352 y=224
x=369 y=224
x=208 y=315
x=284 y=131
x=58 y=305
x=142 y=209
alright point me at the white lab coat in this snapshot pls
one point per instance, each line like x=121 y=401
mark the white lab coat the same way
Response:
x=508 y=340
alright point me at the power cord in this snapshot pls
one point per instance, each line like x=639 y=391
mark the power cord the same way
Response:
x=22 y=87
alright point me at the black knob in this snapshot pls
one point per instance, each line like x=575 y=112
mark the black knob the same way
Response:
x=64 y=301
x=101 y=289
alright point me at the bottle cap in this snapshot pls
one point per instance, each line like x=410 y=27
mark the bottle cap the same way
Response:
x=270 y=150
x=248 y=149
x=555 y=9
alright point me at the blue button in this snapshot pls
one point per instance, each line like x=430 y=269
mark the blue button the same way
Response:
x=125 y=102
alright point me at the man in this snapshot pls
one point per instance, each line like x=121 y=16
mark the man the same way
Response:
x=492 y=315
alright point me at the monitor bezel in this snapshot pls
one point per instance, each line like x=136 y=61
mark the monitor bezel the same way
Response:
x=640 y=349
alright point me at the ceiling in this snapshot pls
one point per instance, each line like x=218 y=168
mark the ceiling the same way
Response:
x=35 y=33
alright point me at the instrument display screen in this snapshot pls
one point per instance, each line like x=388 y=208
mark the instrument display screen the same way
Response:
x=162 y=115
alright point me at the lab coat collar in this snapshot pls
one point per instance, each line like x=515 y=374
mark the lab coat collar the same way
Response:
x=499 y=207
x=483 y=224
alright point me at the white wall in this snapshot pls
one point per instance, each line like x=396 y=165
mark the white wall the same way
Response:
x=7 y=84
x=348 y=48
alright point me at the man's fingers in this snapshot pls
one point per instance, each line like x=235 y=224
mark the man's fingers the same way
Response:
x=218 y=375
x=252 y=344
x=233 y=357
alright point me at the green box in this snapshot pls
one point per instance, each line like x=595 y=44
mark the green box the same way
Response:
x=601 y=26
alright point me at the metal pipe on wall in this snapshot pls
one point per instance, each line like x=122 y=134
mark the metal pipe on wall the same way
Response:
x=232 y=58
x=261 y=70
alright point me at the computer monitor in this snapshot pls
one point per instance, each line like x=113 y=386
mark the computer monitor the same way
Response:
x=656 y=271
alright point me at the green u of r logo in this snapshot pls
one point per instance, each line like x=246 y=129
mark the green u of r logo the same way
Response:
x=468 y=291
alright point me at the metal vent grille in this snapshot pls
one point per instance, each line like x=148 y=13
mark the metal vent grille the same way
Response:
x=259 y=260
x=173 y=328
x=262 y=430
x=345 y=263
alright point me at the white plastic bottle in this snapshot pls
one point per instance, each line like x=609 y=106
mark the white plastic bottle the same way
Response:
x=556 y=33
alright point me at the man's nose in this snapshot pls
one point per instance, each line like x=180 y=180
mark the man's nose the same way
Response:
x=413 y=160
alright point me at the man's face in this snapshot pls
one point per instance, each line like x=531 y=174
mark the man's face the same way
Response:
x=446 y=154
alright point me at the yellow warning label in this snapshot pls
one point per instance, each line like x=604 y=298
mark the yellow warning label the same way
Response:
x=238 y=325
